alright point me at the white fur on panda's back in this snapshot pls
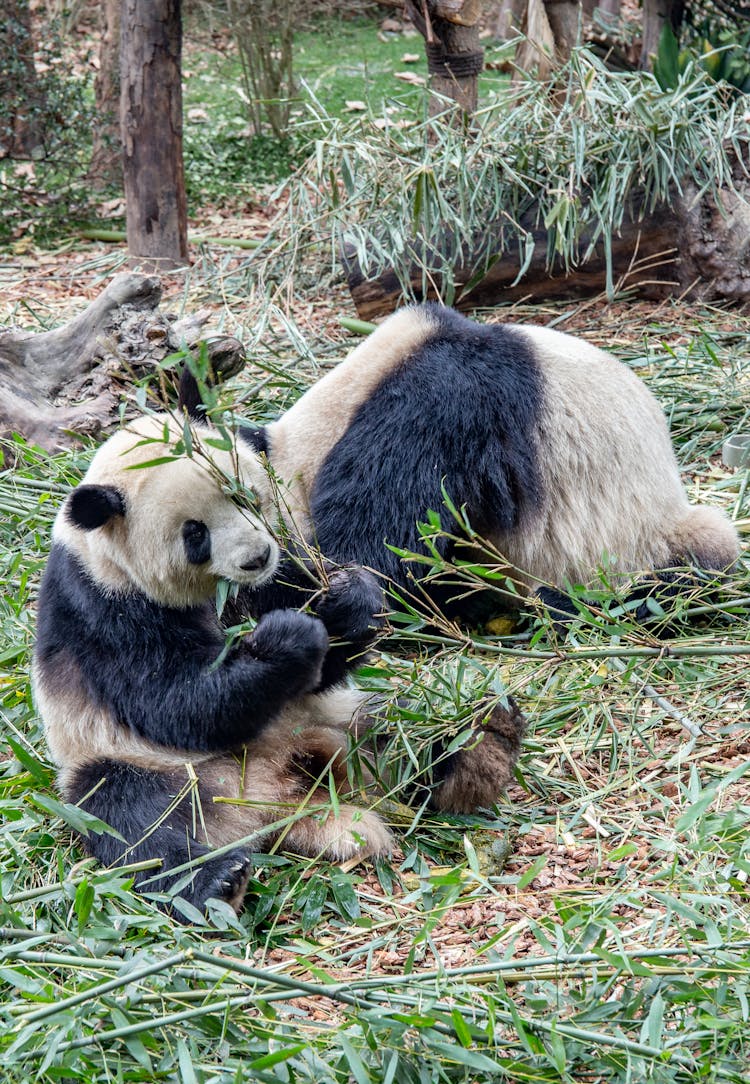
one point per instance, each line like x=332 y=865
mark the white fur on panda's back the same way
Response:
x=301 y=439
x=609 y=475
x=611 y=478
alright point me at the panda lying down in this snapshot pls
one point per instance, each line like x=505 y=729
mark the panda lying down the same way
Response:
x=557 y=452
x=151 y=722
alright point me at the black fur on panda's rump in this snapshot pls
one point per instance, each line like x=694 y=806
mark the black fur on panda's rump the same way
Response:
x=143 y=807
x=462 y=413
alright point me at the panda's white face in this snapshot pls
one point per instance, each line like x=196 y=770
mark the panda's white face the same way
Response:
x=171 y=529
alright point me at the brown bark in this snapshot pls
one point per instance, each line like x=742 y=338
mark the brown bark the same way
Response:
x=21 y=100
x=655 y=14
x=151 y=116
x=455 y=57
x=712 y=261
x=63 y=383
x=105 y=168
x=534 y=53
x=564 y=17
x=508 y=21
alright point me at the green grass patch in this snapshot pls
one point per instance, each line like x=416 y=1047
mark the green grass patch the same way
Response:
x=336 y=62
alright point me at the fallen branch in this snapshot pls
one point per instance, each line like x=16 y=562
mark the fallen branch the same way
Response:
x=120 y=237
x=62 y=384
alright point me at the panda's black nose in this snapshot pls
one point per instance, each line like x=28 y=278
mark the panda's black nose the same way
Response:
x=257 y=562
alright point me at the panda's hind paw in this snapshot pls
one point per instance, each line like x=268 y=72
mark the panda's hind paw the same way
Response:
x=224 y=878
x=474 y=777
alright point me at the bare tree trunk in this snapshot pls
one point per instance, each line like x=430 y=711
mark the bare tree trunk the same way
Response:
x=565 y=18
x=455 y=57
x=105 y=168
x=151 y=117
x=655 y=14
x=534 y=53
x=21 y=124
x=508 y=21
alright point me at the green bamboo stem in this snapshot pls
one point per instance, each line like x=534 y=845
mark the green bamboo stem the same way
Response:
x=46 y=890
x=667 y=651
x=336 y=991
x=119 y=236
x=358 y=327
x=106 y=988
x=59 y=959
x=170 y=1019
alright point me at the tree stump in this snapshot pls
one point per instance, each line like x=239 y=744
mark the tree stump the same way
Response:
x=62 y=384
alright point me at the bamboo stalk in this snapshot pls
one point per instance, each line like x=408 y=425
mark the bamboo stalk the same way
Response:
x=106 y=988
x=119 y=237
x=667 y=651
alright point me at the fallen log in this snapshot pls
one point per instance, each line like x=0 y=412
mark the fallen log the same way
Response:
x=696 y=247
x=62 y=384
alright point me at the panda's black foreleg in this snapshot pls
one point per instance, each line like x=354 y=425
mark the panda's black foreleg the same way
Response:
x=351 y=608
x=652 y=600
x=156 y=821
x=353 y=612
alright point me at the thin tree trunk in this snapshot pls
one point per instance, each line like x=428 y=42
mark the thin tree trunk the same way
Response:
x=655 y=14
x=151 y=116
x=455 y=57
x=564 y=18
x=105 y=168
x=21 y=114
x=508 y=21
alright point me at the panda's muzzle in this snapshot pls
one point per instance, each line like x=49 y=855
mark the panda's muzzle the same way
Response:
x=258 y=562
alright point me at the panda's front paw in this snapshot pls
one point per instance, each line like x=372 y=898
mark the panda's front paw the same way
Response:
x=352 y=609
x=295 y=644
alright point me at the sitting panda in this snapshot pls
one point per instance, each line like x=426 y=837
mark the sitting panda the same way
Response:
x=181 y=746
x=556 y=452
x=148 y=716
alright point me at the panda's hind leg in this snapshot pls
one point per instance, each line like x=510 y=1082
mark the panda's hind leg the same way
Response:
x=289 y=776
x=154 y=811
x=474 y=776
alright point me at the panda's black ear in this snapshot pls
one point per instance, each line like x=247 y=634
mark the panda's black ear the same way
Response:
x=92 y=506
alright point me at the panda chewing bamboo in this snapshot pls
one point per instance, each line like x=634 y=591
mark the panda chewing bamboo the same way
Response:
x=148 y=723
x=180 y=746
x=557 y=453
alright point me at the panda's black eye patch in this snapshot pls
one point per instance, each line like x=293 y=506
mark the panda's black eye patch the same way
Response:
x=197 y=539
